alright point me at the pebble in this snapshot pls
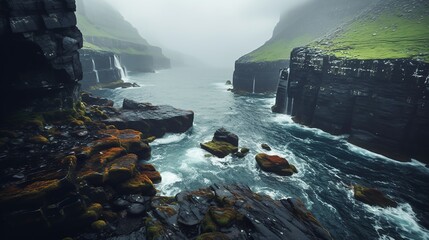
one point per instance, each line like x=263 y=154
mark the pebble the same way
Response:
x=136 y=209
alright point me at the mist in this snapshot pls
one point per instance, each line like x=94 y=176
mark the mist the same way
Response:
x=215 y=31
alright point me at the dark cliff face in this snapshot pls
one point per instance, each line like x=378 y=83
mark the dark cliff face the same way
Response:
x=38 y=44
x=258 y=77
x=382 y=104
x=295 y=28
x=99 y=68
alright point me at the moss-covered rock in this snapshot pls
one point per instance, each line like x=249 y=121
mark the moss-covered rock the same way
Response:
x=99 y=225
x=140 y=184
x=372 y=196
x=219 y=149
x=150 y=171
x=275 y=164
x=39 y=139
x=121 y=169
x=33 y=193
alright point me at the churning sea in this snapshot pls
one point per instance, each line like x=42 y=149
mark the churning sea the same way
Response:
x=325 y=163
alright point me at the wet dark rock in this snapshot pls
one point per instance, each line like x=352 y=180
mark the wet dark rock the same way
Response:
x=151 y=120
x=372 y=196
x=275 y=164
x=223 y=143
x=223 y=135
x=93 y=100
x=266 y=147
x=136 y=209
x=228 y=82
x=120 y=203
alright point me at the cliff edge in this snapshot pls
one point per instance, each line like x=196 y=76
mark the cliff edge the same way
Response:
x=368 y=79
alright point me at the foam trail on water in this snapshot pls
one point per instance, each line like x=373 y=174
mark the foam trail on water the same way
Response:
x=169 y=138
x=167 y=184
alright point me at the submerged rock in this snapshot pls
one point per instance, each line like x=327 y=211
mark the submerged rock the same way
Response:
x=149 y=119
x=275 y=164
x=372 y=196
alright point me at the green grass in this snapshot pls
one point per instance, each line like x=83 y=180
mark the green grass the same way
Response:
x=277 y=50
x=390 y=35
x=89 y=29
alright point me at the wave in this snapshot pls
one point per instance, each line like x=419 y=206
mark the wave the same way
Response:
x=166 y=186
x=376 y=156
x=169 y=138
x=402 y=217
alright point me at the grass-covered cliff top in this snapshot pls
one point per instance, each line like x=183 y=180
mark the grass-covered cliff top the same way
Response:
x=301 y=25
x=276 y=50
x=393 y=29
x=89 y=29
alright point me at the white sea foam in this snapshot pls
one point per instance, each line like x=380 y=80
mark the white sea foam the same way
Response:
x=167 y=184
x=376 y=156
x=274 y=194
x=404 y=218
x=282 y=119
x=169 y=138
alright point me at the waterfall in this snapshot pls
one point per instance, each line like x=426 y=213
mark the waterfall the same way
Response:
x=110 y=63
x=118 y=66
x=94 y=69
x=254 y=82
x=125 y=71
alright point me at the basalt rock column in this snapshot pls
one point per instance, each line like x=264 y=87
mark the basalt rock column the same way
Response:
x=40 y=62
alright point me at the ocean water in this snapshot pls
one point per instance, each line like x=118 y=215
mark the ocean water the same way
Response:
x=325 y=162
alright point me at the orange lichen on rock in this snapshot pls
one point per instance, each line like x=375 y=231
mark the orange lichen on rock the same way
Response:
x=275 y=164
x=129 y=139
x=121 y=169
x=139 y=184
x=34 y=192
x=150 y=171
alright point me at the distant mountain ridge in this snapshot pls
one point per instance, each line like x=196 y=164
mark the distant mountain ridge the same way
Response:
x=105 y=29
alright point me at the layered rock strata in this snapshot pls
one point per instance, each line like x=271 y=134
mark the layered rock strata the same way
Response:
x=39 y=41
x=149 y=119
x=257 y=77
x=381 y=104
x=227 y=212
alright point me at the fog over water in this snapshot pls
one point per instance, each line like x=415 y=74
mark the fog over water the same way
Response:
x=216 y=31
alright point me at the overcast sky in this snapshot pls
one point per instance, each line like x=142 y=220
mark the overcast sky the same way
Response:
x=216 y=31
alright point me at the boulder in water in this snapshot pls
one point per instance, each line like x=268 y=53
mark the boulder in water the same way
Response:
x=372 y=196
x=149 y=119
x=275 y=164
x=266 y=147
x=223 y=135
x=219 y=149
x=222 y=144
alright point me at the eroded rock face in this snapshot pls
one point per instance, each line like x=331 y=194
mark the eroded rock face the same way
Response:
x=40 y=40
x=151 y=120
x=382 y=104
